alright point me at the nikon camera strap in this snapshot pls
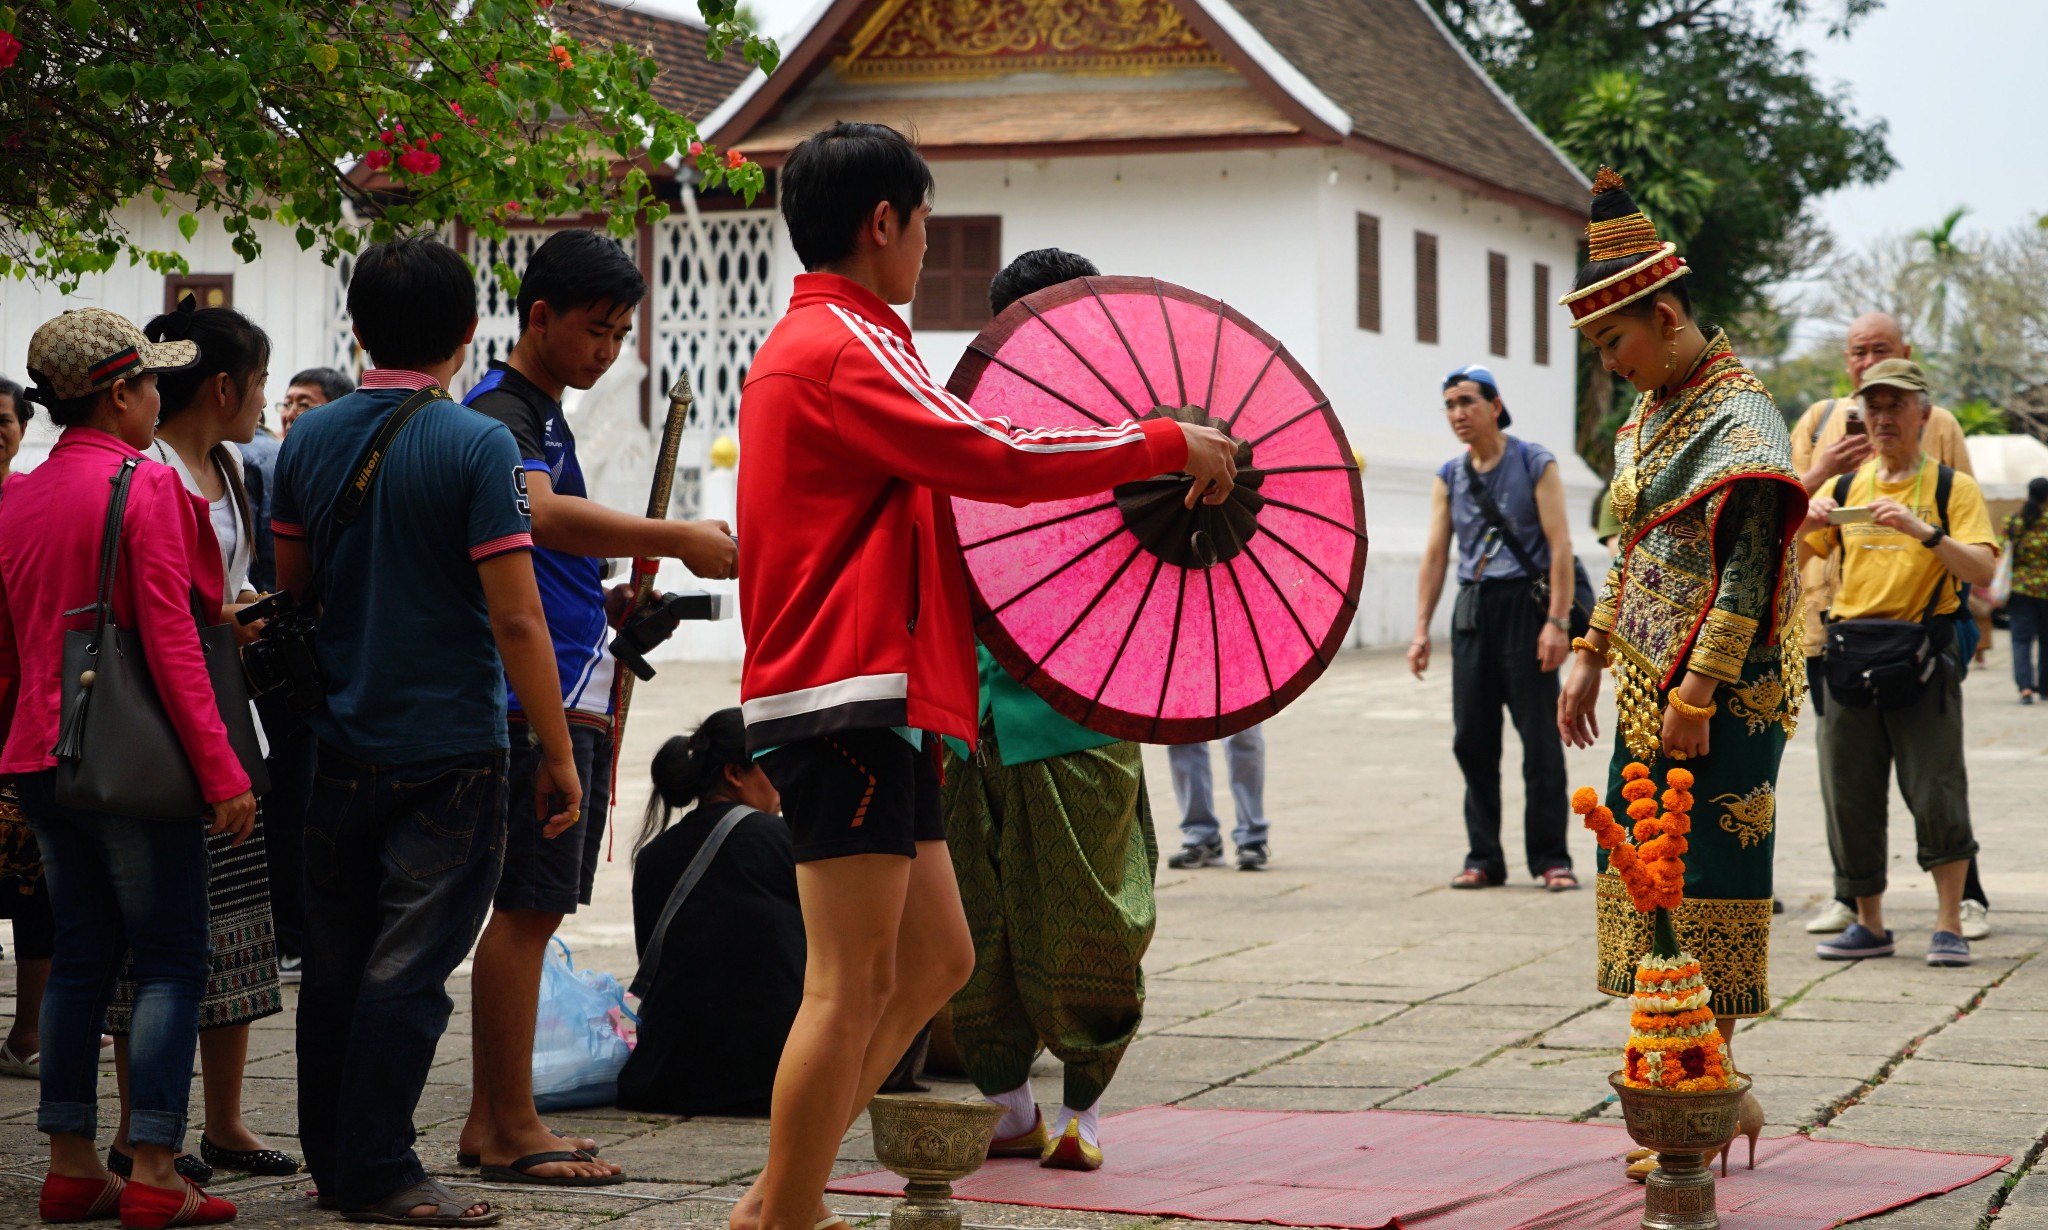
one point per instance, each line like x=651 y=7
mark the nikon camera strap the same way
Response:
x=349 y=505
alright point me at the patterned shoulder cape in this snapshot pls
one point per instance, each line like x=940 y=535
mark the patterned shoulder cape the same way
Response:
x=1726 y=429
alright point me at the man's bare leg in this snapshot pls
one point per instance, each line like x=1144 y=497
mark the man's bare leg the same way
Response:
x=503 y=1126
x=1948 y=891
x=880 y=979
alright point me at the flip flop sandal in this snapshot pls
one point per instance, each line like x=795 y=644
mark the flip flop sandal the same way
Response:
x=1470 y=878
x=520 y=1171
x=1560 y=880
x=393 y=1210
x=470 y=1161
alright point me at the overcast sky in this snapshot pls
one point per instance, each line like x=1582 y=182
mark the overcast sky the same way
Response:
x=1958 y=80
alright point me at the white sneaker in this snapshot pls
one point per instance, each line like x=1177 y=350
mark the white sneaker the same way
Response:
x=1976 y=920
x=1836 y=917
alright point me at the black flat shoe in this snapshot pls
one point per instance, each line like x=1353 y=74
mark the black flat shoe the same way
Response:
x=268 y=1162
x=190 y=1168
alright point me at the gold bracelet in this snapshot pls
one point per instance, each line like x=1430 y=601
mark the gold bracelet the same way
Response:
x=1698 y=713
x=1580 y=642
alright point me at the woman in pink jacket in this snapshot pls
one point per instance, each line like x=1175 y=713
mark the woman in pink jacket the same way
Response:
x=116 y=883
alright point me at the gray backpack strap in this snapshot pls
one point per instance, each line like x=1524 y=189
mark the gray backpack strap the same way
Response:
x=650 y=961
x=1822 y=425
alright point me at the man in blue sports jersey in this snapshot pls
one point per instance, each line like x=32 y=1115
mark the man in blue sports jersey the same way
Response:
x=577 y=299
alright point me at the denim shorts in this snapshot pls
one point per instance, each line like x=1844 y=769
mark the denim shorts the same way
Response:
x=554 y=875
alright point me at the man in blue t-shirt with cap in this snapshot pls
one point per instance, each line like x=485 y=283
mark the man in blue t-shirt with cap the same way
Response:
x=1511 y=625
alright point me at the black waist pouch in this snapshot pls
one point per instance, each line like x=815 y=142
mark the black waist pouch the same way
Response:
x=1879 y=663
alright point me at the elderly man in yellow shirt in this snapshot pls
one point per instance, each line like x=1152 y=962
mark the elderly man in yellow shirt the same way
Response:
x=1824 y=447
x=1911 y=534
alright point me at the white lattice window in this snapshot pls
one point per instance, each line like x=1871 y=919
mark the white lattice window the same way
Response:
x=714 y=283
x=343 y=355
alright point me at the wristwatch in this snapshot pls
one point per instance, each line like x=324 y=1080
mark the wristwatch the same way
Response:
x=1562 y=623
x=1934 y=540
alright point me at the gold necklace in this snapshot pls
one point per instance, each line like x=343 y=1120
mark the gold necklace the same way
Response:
x=1628 y=485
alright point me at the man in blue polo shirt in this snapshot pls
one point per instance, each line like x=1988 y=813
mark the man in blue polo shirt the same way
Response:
x=577 y=299
x=412 y=532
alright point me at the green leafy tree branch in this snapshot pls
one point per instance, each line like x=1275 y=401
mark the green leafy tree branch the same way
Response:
x=338 y=119
x=1711 y=112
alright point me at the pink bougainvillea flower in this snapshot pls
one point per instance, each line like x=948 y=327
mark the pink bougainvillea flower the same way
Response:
x=10 y=47
x=377 y=159
x=560 y=55
x=387 y=136
x=696 y=149
x=436 y=137
x=734 y=159
x=419 y=162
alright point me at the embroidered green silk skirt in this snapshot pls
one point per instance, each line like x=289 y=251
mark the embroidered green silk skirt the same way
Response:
x=1725 y=919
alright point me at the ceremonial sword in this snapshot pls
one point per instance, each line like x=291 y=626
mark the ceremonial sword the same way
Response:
x=679 y=398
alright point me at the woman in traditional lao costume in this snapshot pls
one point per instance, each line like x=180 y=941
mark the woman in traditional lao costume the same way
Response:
x=1691 y=616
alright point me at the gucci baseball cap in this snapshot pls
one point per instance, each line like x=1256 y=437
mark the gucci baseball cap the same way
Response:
x=86 y=350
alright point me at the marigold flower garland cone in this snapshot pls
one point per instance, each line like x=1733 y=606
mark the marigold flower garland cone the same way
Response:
x=1673 y=1041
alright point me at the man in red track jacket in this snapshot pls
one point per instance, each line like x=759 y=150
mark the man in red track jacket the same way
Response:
x=859 y=648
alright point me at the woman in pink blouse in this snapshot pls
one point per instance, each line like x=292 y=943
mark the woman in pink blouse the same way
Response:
x=116 y=883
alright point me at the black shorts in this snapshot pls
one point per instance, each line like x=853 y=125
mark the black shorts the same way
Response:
x=554 y=876
x=857 y=792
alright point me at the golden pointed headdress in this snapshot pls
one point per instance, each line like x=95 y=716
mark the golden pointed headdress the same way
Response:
x=1616 y=229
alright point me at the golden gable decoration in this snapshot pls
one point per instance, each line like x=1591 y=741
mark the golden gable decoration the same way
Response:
x=907 y=40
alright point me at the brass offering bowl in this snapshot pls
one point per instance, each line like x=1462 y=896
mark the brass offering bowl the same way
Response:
x=1686 y=1130
x=931 y=1142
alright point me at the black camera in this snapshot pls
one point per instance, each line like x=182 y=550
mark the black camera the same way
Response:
x=656 y=622
x=281 y=659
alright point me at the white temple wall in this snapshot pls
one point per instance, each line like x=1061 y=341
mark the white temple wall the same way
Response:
x=289 y=293
x=1387 y=384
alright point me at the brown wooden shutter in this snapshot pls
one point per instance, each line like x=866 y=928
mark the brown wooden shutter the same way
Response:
x=1369 y=272
x=1497 y=302
x=209 y=290
x=962 y=256
x=1539 y=332
x=1425 y=287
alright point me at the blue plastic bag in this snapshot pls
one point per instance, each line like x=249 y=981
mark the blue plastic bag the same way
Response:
x=578 y=1050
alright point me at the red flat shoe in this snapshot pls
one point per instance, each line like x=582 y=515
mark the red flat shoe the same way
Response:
x=68 y=1199
x=151 y=1208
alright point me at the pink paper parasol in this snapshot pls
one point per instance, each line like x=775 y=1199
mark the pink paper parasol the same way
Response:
x=1126 y=611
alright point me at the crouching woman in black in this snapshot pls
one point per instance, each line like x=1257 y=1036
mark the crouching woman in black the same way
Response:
x=721 y=979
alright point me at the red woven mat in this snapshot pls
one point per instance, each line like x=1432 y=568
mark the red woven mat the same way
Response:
x=1376 y=1169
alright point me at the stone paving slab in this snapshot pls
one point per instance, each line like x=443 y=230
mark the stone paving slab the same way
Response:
x=1350 y=977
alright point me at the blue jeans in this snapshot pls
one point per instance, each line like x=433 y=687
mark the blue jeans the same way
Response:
x=2029 y=618
x=120 y=884
x=401 y=862
x=1246 y=752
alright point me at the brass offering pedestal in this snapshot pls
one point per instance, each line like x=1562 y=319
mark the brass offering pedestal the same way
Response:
x=931 y=1142
x=1686 y=1129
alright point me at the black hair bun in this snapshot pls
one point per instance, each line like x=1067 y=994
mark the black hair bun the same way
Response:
x=1610 y=197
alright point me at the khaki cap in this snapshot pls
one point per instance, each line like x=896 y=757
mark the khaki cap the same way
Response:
x=87 y=350
x=1894 y=374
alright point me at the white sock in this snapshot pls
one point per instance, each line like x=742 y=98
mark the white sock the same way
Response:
x=1020 y=1111
x=1091 y=1122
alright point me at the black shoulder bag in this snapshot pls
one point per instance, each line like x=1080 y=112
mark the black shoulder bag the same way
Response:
x=117 y=751
x=1885 y=663
x=1581 y=617
x=650 y=961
